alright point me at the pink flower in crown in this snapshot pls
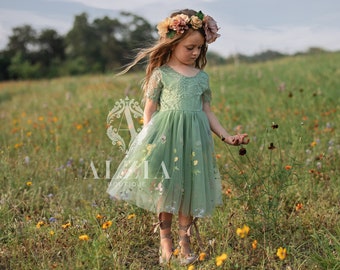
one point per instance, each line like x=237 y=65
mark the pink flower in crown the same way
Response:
x=210 y=29
x=179 y=23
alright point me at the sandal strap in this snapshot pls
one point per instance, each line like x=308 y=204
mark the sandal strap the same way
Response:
x=166 y=236
x=188 y=229
x=161 y=224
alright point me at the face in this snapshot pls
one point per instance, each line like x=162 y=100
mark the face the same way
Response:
x=188 y=50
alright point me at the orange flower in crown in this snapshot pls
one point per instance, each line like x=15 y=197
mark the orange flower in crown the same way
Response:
x=178 y=24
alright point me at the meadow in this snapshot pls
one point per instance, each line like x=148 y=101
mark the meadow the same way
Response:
x=281 y=193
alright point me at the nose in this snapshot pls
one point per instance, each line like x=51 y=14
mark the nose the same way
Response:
x=196 y=52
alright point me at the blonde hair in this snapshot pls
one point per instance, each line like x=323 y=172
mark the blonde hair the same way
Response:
x=159 y=54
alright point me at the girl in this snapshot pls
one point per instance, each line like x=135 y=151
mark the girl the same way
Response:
x=170 y=167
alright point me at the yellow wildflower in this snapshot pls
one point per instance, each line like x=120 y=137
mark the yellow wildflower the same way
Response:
x=175 y=252
x=39 y=224
x=99 y=216
x=107 y=224
x=18 y=145
x=131 y=216
x=202 y=256
x=66 y=225
x=84 y=237
x=51 y=233
x=220 y=259
x=191 y=267
x=29 y=183
x=281 y=253
x=254 y=244
x=313 y=144
x=242 y=232
x=41 y=118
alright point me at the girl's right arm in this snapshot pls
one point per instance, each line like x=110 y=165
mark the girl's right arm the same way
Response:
x=149 y=109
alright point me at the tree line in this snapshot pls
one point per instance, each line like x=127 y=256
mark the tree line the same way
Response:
x=89 y=47
x=100 y=46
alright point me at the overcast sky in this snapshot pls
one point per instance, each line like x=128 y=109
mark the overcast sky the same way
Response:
x=247 y=26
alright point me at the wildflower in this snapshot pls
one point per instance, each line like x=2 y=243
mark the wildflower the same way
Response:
x=298 y=206
x=218 y=156
x=66 y=225
x=271 y=146
x=18 y=145
x=39 y=224
x=99 y=216
x=281 y=253
x=176 y=252
x=84 y=237
x=254 y=244
x=243 y=232
x=52 y=219
x=28 y=133
x=191 y=267
x=228 y=192
x=41 y=118
x=29 y=183
x=51 y=233
x=131 y=216
x=242 y=151
x=79 y=126
x=288 y=167
x=313 y=144
x=220 y=259
x=107 y=224
x=202 y=256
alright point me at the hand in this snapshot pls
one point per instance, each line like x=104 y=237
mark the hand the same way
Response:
x=237 y=139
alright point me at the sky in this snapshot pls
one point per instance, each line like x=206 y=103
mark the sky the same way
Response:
x=246 y=26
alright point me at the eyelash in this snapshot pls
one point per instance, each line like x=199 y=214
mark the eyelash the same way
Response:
x=190 y=49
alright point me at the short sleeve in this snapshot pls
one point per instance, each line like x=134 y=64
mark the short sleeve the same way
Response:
x=207 y=96
x=206 y=88
x=154 y=87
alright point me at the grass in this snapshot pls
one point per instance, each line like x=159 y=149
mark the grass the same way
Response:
x=285 y=189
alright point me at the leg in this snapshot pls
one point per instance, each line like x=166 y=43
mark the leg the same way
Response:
x=165 y=220
x=185 y=222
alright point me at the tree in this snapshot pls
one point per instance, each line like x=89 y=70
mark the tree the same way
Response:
x=22 y=40
x=82 y=42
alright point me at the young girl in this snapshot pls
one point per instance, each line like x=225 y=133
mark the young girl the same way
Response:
x=170 y=168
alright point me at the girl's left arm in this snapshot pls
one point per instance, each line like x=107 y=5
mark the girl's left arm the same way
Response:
x=217 y=128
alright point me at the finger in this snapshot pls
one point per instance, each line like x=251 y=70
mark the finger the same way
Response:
x=245 y=139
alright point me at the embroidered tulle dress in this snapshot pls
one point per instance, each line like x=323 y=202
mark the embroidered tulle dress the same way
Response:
x=170 y=166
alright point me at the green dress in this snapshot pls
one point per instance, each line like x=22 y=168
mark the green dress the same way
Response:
x=170 y=165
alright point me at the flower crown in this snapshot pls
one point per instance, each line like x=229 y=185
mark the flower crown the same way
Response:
x=178 y=24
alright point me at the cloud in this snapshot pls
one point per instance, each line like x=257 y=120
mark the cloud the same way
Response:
x=286 y=39
x=116 y=5
x=14 y=18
